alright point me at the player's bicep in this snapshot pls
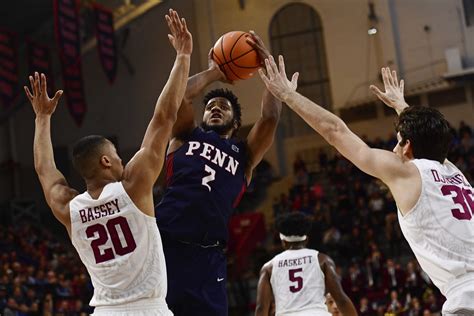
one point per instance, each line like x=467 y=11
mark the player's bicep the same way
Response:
x=58 y=194
x=260 y=139
x=331 y=279
x=379 y=163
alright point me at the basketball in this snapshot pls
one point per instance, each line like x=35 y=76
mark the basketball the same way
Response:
x=235 y=57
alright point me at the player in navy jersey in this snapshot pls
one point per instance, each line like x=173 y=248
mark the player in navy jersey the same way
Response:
x=208 y=171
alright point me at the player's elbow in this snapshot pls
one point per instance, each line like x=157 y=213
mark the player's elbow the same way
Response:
x=334 y=132
x=167 y=116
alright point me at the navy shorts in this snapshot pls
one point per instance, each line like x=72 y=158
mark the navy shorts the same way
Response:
x=196 y=279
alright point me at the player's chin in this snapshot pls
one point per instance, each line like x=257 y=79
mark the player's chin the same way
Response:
x=215 y=122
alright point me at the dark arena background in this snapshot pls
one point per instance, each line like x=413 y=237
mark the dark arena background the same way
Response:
x=122 y=59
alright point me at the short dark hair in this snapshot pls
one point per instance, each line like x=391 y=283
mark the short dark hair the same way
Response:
x=86 y=150
x=293 y=224
x=428 y=131
x=229 y=95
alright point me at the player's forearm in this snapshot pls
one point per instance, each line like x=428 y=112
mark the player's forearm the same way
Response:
x=198 y=82
x=42 y=146
x=271 y=106
x=170 y=99
x=347 y=308
x=327 y=124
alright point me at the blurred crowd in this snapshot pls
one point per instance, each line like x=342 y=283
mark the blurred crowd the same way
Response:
x=40 y=275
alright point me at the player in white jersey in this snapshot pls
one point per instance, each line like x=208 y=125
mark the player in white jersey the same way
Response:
x=112 y=224
x=434 y=200
x=298 y=278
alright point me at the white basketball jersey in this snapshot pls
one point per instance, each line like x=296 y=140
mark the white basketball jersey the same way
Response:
x=440 y=230
x=298 y=283
x=120 y=247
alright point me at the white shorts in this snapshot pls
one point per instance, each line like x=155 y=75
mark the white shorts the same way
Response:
x=460 y=298
x=138 y=308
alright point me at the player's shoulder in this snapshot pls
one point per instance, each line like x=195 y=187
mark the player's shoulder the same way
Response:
x=267 y=268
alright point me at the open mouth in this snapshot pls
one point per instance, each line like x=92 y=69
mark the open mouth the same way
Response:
x=216 y=116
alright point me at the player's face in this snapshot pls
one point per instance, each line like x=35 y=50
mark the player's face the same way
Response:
x=332 y=307
x=218 y=115
x=400 y=149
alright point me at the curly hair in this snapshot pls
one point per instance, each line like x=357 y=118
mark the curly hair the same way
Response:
x=293 y=224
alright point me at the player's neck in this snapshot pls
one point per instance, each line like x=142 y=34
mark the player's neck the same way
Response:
x=295 y=247
x=95 y=186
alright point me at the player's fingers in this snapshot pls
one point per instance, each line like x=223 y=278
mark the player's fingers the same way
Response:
x=171 y=25
x=43 y=84
x=402 y=86
x=263 y=76
x=32 y=84
x=28 y=93
x=57 y=95
x=394 y=77
x=176 y=20
x=270 y=73
x=386 y=81
x=273 y=65
x=281 y=63
x=171 y=39
x=294 y=79
x=184 y=25
x=36 y=88
x=375 y=90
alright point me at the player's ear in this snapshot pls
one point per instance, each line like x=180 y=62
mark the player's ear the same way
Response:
x=408 y=149
x=105 y=161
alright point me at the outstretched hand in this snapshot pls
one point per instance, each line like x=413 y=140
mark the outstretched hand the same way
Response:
x=180 y=37
x=42 y=104
x=393 y=95
x=276 y=80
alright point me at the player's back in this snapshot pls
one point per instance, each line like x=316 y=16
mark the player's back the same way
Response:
x=298 y=283
x=120 y=247
x=440 y=231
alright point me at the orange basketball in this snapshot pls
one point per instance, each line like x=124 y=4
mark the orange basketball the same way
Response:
x=235 y=57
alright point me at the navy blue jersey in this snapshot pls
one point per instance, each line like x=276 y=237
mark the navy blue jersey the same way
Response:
x=205 y=182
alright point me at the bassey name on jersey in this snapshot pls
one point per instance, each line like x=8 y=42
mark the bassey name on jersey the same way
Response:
x=99 y=211
x=214 y=155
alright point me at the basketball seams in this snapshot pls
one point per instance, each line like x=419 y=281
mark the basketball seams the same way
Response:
x=227 y=65
x=235 y=43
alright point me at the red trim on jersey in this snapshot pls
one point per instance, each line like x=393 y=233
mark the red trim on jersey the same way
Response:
x=169 y=168
x=239 y=197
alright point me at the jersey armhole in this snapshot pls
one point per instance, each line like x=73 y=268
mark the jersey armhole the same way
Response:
x=422 y=189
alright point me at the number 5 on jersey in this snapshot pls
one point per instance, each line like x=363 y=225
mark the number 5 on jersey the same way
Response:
x=298 y=279
x=210 y=177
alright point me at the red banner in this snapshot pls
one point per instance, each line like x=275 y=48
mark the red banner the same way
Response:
x=8 y=67
x=104 y=27
x=66 y=21
x=39 y=60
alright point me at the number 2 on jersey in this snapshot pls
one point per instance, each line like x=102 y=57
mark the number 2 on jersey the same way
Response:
x=295 y=278
x=462 y=197
x=208 y=178
x=103 y=233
